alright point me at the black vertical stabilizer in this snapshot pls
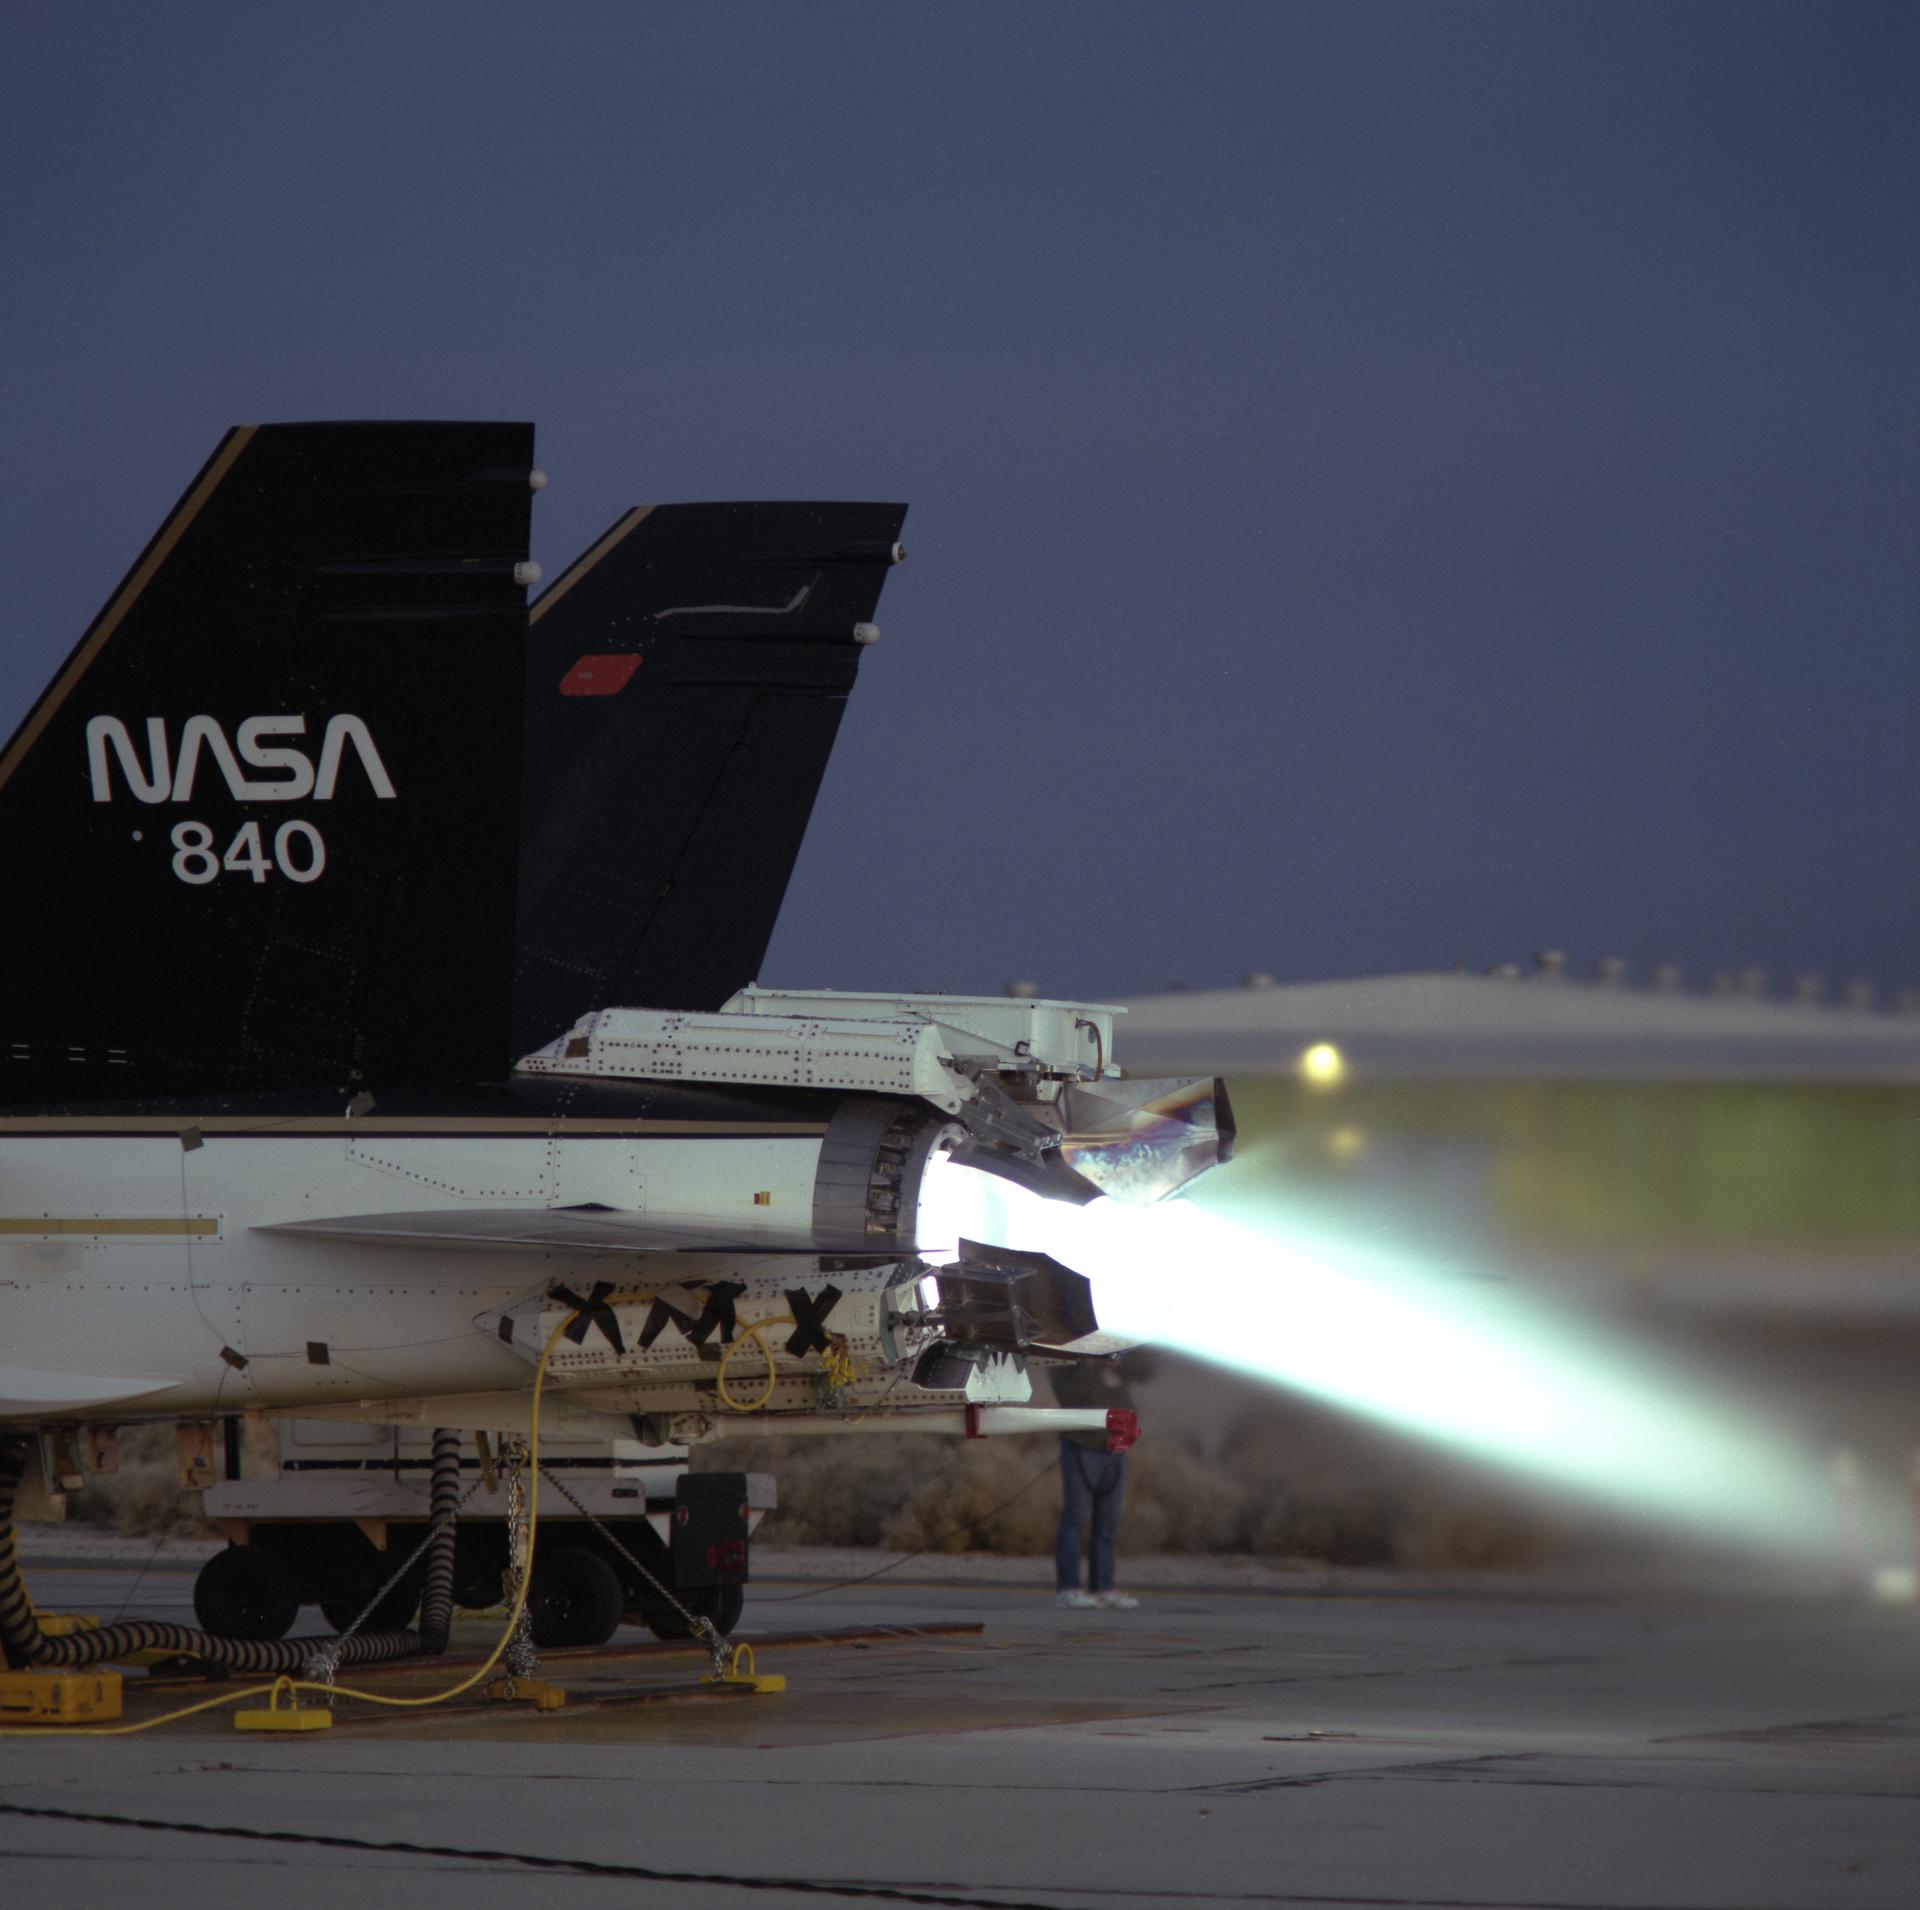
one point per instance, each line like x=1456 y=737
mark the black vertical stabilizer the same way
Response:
x=260 y=831
x=685 y=680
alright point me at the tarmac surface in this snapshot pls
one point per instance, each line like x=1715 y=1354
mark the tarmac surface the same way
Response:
x=1244 y=1737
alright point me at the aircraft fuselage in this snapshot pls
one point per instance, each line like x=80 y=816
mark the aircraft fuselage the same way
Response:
x=135 y=1263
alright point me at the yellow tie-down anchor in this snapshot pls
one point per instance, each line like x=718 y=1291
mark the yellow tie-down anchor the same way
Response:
x=284 y=1717
x=741 y=1674
x=534 y=1691
x=59 y=1697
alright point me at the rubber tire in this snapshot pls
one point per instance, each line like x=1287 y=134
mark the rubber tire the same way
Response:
x=245 y=1593
x=574 y=1600
x=395 y=1612
x=723 y=1604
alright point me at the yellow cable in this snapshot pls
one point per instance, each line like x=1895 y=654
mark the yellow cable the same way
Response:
x=838 y=1365
x=526 y=1571
x=752 y=1331
x=344 y=1691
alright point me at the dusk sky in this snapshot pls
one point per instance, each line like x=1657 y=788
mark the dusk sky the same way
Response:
x=1390 y=484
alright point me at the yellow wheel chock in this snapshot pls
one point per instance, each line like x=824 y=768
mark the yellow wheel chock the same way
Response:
x=742 y=1674
x=284 y=1717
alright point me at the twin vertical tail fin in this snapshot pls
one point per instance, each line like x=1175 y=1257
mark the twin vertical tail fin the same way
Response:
x=270 y=828
x=685 y=681
x=259 y=832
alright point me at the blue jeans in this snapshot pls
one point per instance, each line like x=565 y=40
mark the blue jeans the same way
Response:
x=1089 y=1482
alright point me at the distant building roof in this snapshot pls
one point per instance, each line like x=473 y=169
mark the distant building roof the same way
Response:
x=1473 y=1025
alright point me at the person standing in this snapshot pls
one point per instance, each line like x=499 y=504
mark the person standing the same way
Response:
x=1093 y=1481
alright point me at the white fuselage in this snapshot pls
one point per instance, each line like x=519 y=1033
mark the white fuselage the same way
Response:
x=133 y=1277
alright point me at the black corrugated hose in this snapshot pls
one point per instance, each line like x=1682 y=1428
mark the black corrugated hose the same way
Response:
x=436 y=1607
x=24 y=1645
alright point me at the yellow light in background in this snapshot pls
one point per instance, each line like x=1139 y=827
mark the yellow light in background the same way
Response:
x=1346 y=1143
x=1323 y=1065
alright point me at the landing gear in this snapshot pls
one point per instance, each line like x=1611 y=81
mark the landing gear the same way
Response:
x=244 y=1593
x=574 y=1599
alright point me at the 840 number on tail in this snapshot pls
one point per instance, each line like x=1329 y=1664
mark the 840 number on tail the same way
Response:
x=299 y=853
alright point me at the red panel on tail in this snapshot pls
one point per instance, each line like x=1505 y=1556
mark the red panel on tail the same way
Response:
x=599 y=676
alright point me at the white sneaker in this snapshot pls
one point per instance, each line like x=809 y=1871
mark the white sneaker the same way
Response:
x=1114 y=1602
x=1076 y=1601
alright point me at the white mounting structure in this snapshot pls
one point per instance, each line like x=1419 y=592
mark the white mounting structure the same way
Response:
x=926 y=1045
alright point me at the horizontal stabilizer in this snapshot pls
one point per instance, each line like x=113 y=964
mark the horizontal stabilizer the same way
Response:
x=586 y=1230
x=27 y=1390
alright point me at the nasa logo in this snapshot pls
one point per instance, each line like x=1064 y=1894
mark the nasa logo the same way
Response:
x=167 y=776
x=163 y=774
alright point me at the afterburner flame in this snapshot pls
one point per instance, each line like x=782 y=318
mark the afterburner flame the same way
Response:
x=1443 y=1353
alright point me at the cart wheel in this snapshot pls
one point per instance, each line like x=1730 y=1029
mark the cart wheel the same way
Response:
x=574 y=1600
x=245 y=1593
x=393 y=1613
